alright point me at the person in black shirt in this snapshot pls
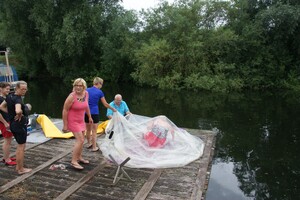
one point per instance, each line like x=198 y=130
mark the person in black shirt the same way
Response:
x=18 y=122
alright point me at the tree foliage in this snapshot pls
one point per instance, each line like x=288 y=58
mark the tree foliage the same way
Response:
x=190 y=44
x=221 y=45
x=64 y=38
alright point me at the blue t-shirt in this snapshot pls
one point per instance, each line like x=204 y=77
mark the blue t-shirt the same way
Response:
x=95 y=95
x=123 y=108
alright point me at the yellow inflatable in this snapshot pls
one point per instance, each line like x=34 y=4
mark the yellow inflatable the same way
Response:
x=102 y=126
x=50 y=130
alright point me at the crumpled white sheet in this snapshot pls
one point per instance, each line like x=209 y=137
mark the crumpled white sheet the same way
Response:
x=174 y=147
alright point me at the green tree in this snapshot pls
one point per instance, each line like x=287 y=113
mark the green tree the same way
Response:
x=185 y=47
x=63 y=38
x=117 y=47
x=191 y=44
x=268 y=33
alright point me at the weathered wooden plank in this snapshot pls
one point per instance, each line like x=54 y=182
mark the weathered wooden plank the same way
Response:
x=160 y=196
x=144 y=191
x=172 y=183
x=27 y=148
x=202 y=173
x=24 y=176
x=91 y=195
x=80 y=182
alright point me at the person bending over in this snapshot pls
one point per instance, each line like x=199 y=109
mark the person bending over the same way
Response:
x=119 y=105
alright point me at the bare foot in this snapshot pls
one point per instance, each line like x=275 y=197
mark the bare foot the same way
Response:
x=77 y=166
x=24 y=171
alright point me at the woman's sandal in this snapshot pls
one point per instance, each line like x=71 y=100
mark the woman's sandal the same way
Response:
x=89 y=146
x=77 y=166
x=11 y=158
x=24 y=171
x=95 y=150
x=84 y=161
x=11 y=163
x=65 y=130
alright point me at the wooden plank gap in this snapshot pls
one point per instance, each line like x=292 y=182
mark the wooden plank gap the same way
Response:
x=147 y=187
x=30 y=147
x=73 y=188
x=202 y=173
x=21 y=178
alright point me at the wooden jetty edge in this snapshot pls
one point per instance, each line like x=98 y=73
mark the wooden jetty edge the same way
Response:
x=53 y=177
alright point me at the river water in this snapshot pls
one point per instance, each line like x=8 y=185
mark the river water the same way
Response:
x=257 y=149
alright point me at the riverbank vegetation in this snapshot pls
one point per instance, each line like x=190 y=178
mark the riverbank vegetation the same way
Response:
x=190 y=44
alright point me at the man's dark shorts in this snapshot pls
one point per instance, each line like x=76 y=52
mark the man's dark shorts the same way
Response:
x=19 y=131
x=95 y=118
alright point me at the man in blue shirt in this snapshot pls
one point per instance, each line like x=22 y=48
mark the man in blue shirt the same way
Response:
x=119 y=105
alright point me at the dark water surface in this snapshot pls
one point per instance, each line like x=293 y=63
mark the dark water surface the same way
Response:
x=257 y=153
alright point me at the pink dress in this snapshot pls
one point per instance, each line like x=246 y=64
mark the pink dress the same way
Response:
x=76 y=113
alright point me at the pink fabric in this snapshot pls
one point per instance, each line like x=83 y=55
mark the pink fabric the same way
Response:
x=76 y=114
x=154 y=141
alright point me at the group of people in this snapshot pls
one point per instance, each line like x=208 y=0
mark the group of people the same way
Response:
x=80 y=116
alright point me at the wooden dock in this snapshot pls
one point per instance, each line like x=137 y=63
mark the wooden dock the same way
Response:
x=49 y=179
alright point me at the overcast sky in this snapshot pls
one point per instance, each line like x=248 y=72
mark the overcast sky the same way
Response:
x=139 y=4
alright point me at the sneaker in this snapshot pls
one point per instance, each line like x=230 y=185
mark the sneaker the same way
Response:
x=11 y=163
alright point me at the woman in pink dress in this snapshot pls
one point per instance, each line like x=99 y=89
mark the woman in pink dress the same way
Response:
x=75 y=106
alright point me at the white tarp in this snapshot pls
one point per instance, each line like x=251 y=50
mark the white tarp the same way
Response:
x=149 y=142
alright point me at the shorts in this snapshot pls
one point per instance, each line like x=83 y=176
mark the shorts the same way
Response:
x=4 y=131
x=19 y=130
x=95 y=118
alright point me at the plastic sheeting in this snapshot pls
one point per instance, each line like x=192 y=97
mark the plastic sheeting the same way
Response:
x=149 y=142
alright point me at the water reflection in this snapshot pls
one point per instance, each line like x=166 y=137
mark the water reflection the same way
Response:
x=257 y=150
x=259 y=138
x=265 y=133
x=223 y=183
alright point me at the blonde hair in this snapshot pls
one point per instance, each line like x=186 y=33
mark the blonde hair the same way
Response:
x=80 y=80
x=98 y=80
